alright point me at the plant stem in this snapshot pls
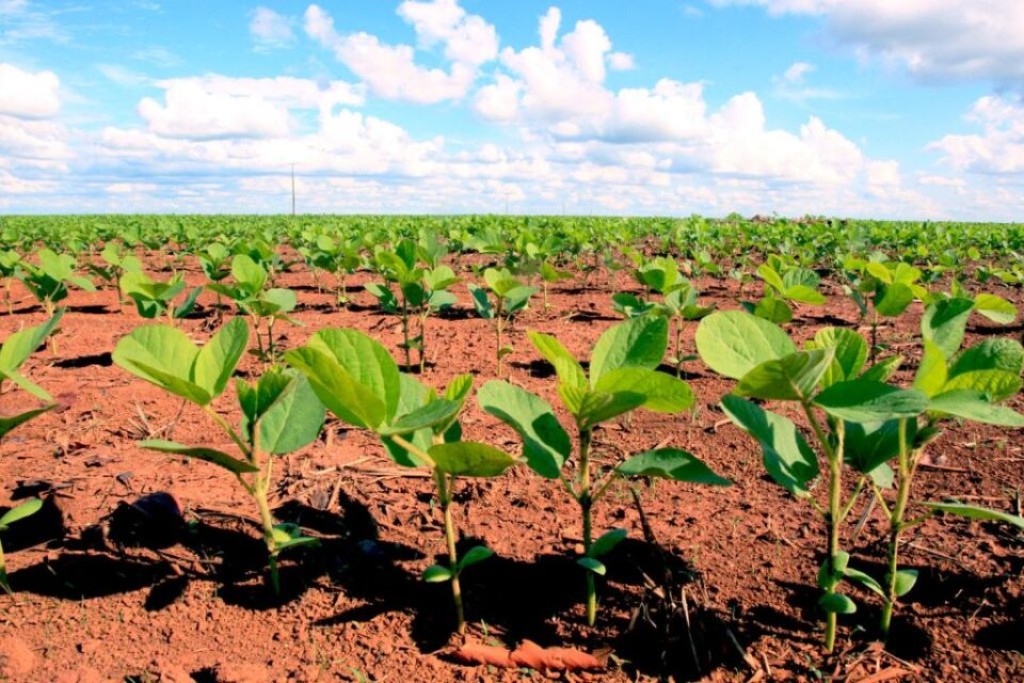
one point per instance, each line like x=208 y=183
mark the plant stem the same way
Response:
x=444 y=497
x=896 y=527
x=586 y=501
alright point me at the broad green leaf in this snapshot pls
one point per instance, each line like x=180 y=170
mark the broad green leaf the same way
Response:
x=883 y=370
x=159 y=352
x=788 y=458
x=470 y=459
x=975 y=406
x=974 y=512
x=220 y=458
x=671 y=463
x=945 y=322
x=413 y=396
x=865 y=580
x=606 y=542
x=773 y=310
x=248 y=274
x=892 y=299
x=1000 y=353
x=592 y=565
x=340 y=392
x=869 y=446
x=995 y=308
x=25 y=383
x=293 y=419
x=9 y=422
x=932 y=372
x=663 y=393
x=733 y=343
x=20 y=345
x=20 y=512
x=435 y=573
x=516 y=298
x=215 y=362
x=435 y=412
x=837 y=603
x=481 y=303
x=600 y=406
x=790 y=378
x=546 y=446
x=804 y=294
x=851 y=352
x=566 y=366
x=459 y=388
x=640 y=342
x=771 y=277
x=998 y=385
x=366 y=360
x=474 y=555
x=865 y=401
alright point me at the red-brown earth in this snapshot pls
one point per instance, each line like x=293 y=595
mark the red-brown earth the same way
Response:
x=112 y=584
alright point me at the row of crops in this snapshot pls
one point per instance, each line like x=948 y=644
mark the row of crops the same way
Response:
x=838 y=417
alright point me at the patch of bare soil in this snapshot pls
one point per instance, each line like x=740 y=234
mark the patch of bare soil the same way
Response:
x=144 y=566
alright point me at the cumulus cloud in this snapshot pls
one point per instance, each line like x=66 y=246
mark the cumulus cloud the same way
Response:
x=270 y=29
x=27 y=94
x=998 y=148
x=391 y=71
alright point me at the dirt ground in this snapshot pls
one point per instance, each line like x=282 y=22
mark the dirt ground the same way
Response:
x=149 y=567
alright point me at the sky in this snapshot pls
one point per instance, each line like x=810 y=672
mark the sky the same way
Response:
x=853 y=108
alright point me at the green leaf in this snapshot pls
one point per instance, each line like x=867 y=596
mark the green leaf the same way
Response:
x=481 y=303
x=19 y=512
x=546 y=446
x=219 y=458
x=598 y=406
x=851 y=352
x=413 y=395
x=592 y=565
x=164 y=356
x=932 y=372
x=837 y=603
x=790 y=378
x=606 y=542
x=474 y=555
x=945 y=322
x=861 y=400
x=892 y=299
x=215 y=363
x=435 y=573
x=671 y=463
x=788 y=458
x=905 y=580
x=566 y=366
x=20 y=345
x=9 y=422
x=995 y=308
x=883 y=370
x=248 y=274
x=975 y=406
x=868 y=446
x=1000 y=353
x=771 y=277
x=640 y=342
x=733 y=343
x=293 y=418
x=662 y=393
x=865 y=580
x=435 y=412
x=340 y=392
x=773 y=309
x=804 y=294
x=997 y=385
x=974 y=512
x=470 y=459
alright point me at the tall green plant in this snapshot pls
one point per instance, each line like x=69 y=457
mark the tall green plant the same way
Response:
x=621 y=378
x=279 y=412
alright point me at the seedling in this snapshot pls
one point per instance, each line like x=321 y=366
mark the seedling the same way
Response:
x=622 y=377
x=279 y=412
x=48 y=281
x=826 y=378
x=118 y=262
x=359 y=381
x=10 y=267
x=154 y=298
x=784 y=283
x=509 y=297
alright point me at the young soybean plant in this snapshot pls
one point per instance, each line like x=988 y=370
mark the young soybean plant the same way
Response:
x=280 y=412
x=13 y=354
x=828 y=378
x=359 y=381
x=622 y=377
x=510 y=297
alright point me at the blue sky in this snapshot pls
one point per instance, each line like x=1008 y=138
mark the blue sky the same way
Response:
x=864 y=108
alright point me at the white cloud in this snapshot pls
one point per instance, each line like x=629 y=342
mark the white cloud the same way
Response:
x=122 y=75
x=27 y=94
x=934 y=40
x=270 y=29
x=998 y=149
x=391 y=71
x=791 y=85
x=621 y=61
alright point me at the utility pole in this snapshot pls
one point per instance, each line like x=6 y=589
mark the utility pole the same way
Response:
x=293 y=189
